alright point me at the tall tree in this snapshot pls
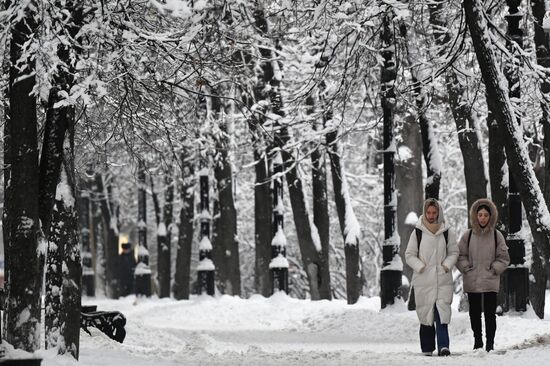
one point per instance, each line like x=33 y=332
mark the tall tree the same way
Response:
x=226 y=245
x=109 y=209
x=349 y=225
x=321 y=218
x=24 y=264
x=518 y=158
x=430 y=148
x=185 y=239
x=392 y=267
x=85 y=217
x=466 y=123
x=163 y=218
x=257 y=100
x=537 y=288
x=142 y=271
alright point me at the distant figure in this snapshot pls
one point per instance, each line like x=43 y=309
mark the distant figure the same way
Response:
x=126 y=267
x=483 y=257
x=431 y=253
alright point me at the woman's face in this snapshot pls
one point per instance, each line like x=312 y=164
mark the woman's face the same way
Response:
x=483 y=217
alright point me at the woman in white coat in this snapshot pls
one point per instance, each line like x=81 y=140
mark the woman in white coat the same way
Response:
x=432 y=260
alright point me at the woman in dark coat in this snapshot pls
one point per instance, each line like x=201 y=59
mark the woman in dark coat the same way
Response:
x=483 y=258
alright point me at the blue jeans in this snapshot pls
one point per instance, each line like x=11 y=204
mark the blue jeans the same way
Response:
x=428 y=335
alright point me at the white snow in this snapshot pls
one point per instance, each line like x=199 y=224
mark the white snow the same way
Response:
x=352 y=229
x=206 y=265
x=395 y=265
x=278 y=262
x=161 y=230
x=411 y=219
x=279 y=240
x=142 y=269
x=281 y=330
x=205 y=243
x=63 y=192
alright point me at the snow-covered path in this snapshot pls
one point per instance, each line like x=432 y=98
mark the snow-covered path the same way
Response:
x=282 y=330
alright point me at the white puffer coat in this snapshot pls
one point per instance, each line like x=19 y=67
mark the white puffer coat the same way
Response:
x=433 y=286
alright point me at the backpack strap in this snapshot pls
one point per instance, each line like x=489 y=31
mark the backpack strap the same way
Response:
x=469 y=237
x=446 y=235
x=418 y=237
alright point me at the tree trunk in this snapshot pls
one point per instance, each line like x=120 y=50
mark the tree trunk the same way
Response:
x=263 y=212
x=163 y=220
x=65 y=239
x=88 y=273
x=183 y=257
x=164 y=241
x=346 y=216
x=310 y=249
x=25 y=265
x=518 y=159
x=497 y=168
x=430 y=148
x=321 y=218
x=143 y=271
x=392 y=267
x=409 y=185
x=262 y=223
x=109 y=215
x=537 y=288
x=226 y=256
x=466 y=125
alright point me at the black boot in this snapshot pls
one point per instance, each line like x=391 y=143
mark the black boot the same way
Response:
x=489 y=346
x=478 y=342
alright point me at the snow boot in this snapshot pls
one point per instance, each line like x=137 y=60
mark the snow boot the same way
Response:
x=444 y=352
x=478 y=342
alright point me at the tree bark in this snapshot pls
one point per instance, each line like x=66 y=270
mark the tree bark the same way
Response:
x=226 y=248
x=408 y=181
x=263 y=219
x=164 y=221
x=88 y=273
x=537 y=288
x=183 y=257
x=143 y=271
x=67 y=271
x=310 y=251
x=518 y=159
x=392 y=267
x=109 y=215
x=497 y=168
x=430 y=148
x=345 y=210
x=466 y=125
x=321 y=218
x=25 y=265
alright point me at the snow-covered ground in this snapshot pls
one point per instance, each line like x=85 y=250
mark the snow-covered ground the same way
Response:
x=284 y=331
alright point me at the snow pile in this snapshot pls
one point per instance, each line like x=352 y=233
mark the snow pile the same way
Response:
x=285 y=331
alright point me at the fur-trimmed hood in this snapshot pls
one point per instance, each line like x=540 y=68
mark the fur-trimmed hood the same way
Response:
x=473 y=216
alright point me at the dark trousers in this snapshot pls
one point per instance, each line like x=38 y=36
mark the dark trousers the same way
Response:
x=429 y=333
x=486 y=302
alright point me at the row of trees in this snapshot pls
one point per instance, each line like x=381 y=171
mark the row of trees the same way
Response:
x=174 y=100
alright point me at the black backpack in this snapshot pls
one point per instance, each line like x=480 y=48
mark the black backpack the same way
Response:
x=445 y=234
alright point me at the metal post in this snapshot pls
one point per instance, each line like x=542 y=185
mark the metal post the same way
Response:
x=206 y=268
x=279 y=264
